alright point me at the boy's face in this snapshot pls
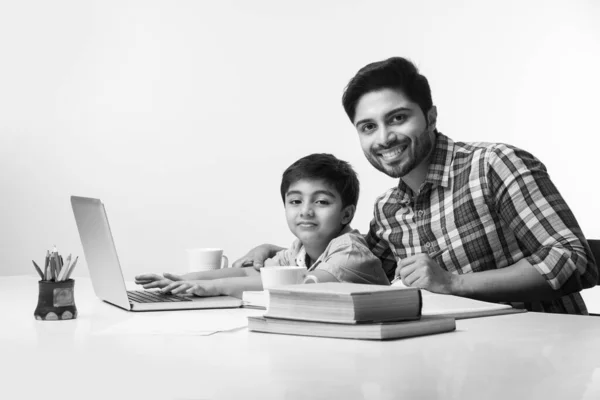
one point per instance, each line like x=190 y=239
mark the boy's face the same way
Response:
x=314 y=211
x=393 y=132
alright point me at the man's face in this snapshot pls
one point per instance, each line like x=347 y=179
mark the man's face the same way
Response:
x=393 y=132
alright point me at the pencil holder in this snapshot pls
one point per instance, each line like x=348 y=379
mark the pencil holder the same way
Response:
x=56 y=301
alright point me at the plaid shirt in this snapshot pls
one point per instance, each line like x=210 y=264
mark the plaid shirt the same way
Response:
x=489 y=206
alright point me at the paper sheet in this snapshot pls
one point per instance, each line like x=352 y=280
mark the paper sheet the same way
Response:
x=197 y=322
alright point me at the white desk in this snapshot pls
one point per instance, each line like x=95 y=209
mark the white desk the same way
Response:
x=521 y=356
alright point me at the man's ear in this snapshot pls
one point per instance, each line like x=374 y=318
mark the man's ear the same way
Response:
x=432 y=118
x=348 y=214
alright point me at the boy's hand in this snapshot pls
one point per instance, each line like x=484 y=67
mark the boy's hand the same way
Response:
x=256 y=257
x=151 y=281
x=198 y=288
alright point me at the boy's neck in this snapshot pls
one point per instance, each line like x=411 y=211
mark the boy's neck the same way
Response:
x=314 y=250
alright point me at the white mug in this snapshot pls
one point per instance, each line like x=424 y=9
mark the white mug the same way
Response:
x=205 y=259
x=275 y=276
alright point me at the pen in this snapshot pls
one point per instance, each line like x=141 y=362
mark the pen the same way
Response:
x=39 y=271
x=433 y=255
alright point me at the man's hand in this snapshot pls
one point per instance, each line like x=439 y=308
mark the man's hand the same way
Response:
x=198 y=288
x=256 y=257
x=422 y=272
x=151 y=281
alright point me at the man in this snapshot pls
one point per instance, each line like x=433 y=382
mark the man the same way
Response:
x=478 y=220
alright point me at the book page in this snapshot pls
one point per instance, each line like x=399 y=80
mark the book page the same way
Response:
x=459 y=307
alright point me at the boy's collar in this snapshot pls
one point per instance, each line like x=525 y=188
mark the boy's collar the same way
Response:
x=301 y=256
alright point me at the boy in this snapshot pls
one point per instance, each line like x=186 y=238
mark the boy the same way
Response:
x=320 y=194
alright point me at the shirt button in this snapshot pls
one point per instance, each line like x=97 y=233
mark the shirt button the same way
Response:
x=421 y=212
x=428 y=245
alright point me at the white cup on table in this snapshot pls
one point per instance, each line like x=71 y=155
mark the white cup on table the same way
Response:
x=206 y=259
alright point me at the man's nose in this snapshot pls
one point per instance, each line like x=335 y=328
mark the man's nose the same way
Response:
x=385 y=135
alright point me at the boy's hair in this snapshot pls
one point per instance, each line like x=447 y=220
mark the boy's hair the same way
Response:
x=336 y=172
x=394 y=73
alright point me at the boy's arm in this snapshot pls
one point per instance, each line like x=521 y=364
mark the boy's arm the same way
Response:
x=216 y=274
x=236 y=286
x=232 y=286
x=350 y=260
x=152 y=281
x=322 y=276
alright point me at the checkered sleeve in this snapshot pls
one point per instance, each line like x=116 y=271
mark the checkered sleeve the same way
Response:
x=520 y=190
x=377 y=242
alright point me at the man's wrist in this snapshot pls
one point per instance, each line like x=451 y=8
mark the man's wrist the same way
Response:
x=457 y=285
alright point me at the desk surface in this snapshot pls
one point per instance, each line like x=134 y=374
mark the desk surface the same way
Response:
x=531 y=355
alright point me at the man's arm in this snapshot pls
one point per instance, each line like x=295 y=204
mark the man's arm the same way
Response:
x=524 y=197
x=519 y=282
x=257 y=256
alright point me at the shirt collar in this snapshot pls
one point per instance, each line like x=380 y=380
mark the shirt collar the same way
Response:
x=438 y=173
x=301 y=256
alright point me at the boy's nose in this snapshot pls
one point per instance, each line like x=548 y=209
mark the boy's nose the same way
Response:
x=307 y=212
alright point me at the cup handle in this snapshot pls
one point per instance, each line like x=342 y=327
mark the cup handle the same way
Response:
x=311 y=279
x=224 y=262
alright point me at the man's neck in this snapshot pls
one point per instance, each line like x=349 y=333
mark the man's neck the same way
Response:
x=415 y=178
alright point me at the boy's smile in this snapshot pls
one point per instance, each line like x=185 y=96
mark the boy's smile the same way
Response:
x=314 y=212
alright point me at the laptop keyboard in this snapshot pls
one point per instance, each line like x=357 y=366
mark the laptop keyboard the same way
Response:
x=146 y=296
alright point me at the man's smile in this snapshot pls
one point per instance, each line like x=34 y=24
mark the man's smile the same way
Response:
x=394 y=153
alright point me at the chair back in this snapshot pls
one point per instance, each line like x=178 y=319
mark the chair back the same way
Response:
x=595 y=247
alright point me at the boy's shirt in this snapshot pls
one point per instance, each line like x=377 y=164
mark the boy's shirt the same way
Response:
x=347 y=258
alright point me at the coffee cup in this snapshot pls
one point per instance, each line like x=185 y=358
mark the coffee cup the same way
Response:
x=206 y=259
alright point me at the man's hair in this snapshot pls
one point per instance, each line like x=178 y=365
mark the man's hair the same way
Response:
x=394 y=73
x=335 y=172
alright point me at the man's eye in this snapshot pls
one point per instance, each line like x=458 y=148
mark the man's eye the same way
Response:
x=399 y=118
x=366 y=128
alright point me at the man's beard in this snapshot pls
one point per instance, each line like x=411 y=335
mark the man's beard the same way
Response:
x=414 y=154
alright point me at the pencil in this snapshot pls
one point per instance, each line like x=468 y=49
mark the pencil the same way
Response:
x=71 y=268
x=46 y=264
x=65 y=269
x=39 y=271
x=433 y=255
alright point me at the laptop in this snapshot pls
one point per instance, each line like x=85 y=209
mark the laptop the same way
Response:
x=106 y=274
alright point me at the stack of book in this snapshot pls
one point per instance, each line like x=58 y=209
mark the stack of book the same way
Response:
x=347 y=310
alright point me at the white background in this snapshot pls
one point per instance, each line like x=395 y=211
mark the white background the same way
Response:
x=182 y=115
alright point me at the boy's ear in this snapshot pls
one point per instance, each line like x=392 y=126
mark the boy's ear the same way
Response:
x=348 y=214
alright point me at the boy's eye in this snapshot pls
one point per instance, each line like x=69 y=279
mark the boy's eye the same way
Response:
x=294 y=201
x=323 y=202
